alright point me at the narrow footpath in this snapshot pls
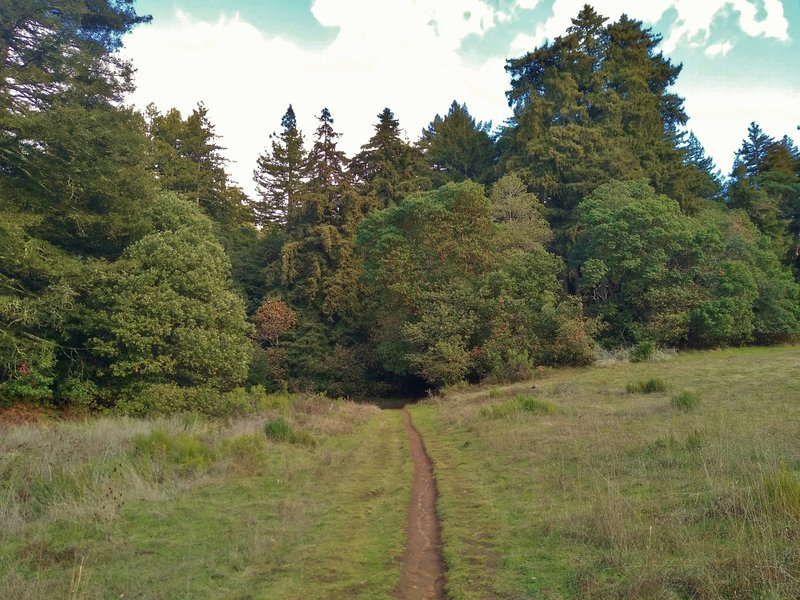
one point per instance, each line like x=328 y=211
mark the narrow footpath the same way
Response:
x=422 y=576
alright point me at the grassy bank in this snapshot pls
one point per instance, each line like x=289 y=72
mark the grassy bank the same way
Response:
x=676 y=479
x=190 y=508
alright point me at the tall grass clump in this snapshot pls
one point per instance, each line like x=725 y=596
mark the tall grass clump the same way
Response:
x=519 y=404
x=180 y=449
x=647 y=386
x=781 y=492
x=686 y=401
x=279 y=430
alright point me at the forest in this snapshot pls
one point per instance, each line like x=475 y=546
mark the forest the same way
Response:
x=136 y=277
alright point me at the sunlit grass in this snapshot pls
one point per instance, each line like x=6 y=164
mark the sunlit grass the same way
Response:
x=189 y=507
x=623 y=494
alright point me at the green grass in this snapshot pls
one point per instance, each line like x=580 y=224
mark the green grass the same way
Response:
x=652 y=385
x=205 y=509
x=516 y=405
x=617 y=495
x=685 y=401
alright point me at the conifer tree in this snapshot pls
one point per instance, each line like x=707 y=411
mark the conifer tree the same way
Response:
x=388 y=167
x=187 y=159
x=457 y=147
x=280 y=173
x=592 y=106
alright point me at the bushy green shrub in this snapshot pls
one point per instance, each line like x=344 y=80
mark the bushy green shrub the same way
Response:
x=642 y=351
x=168 y=398
x=686 y=401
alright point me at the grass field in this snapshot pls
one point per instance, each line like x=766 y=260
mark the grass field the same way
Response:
x=677 y=479
x=195 y=509
x=672 y=479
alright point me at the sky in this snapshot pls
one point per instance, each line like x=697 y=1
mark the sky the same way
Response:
x=248 y=60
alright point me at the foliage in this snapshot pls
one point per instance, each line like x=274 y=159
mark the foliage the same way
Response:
x=388 y=167
x=187 y=160
x=444 y=299
x=273 y=319
x=643 y=351
x=128 y=258
x=457 y=147
x=654 y=274
x=279 y=174
x=165 y=311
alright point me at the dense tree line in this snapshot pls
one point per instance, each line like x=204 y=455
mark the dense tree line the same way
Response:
x=129 y=262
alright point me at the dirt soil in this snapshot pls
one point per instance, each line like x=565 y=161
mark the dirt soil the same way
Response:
x=422 y=577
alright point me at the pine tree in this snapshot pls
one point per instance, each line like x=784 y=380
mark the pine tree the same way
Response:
x=280 y=174
x=388 y=167
x=318 y=270
x=187 y=159
x=753 y=150
x=457 y=147
x=592 y=106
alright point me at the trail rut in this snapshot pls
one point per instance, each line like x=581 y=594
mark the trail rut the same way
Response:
x=422 y=577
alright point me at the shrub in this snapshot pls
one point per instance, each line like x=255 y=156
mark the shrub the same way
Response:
x=647 y=386
x=516 y=366
x=278 y=429
x=686 y=401
x=642 y=351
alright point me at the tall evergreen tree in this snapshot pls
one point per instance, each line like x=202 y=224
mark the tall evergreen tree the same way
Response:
x=388 y=167
x=592 y=106
x=280 y=173
x=753 y=150
x=765 y=183
x=73 y=175
x=318 y=269
x=457 y=147
x=187 y=159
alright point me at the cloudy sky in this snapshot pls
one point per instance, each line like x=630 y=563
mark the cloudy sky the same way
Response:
x=248 y=60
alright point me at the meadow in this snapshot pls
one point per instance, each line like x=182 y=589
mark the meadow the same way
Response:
x=186 y=507
x=677 y=478
x=673 y=478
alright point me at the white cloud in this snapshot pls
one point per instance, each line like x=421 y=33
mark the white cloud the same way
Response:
x=720 y=49
x=407 y=61
x=523 y=43
x=693 y=18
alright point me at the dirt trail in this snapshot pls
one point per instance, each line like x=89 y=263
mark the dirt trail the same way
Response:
x=422 y=577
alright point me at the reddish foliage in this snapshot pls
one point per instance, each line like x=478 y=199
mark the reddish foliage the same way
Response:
x=273 y=319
